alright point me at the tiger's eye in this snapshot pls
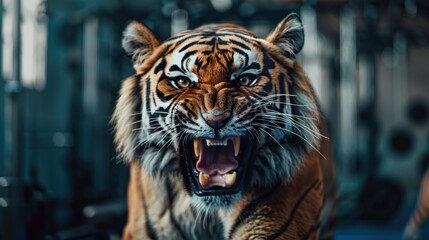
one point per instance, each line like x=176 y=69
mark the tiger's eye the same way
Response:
x=183 y=83
x=244 y=81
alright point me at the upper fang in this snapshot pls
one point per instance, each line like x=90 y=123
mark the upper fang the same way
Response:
x=236 y=142
x=197 y=147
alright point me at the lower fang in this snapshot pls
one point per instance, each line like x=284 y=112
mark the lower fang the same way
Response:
x=230 y=178
x=204 y=179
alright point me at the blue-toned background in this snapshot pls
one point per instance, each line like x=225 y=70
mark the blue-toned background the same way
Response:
x=59 y=178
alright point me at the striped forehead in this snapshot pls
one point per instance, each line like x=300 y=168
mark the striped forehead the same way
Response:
x=189 y=48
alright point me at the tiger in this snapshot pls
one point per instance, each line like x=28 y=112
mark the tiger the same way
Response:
x=421 y=211
x=223 y=134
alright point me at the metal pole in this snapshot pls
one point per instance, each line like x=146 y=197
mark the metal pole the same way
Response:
x=348 y=93
x=12 y=110
x=370 y=16
x=12 y=226
x=311 y=57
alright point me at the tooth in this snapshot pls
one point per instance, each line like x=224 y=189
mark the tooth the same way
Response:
x=230 y=179
x=204 y=179
x=197 y=147
x=236 y=142
x=216 y=142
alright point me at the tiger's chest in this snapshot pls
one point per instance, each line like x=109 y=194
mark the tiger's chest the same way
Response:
x=169 y=213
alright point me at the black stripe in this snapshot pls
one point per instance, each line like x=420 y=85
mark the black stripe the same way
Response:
x=188 y=54
x=229 y=59
x=221 y=42
x=285 y=226
x=188 y=46
x=244 y=54
x=198 y=63
x=254 y=65
x=227 y=63
x=189 y=112
x=282 y=91
x=219 y=60
x=268 y=62
x=147 y=95
x=176 y=68
x=312 y=229
x=240 y=44
x=249 y=210
x=212 y=42
x=315 y=227
x=160 y=66
x=137 y=92
x=164 y=97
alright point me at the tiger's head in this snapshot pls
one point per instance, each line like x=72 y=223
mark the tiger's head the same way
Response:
x=218 y=107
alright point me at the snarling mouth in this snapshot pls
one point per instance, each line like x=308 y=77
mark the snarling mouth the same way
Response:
x=218 y=166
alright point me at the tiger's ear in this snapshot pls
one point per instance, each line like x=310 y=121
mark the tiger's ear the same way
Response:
x=288 y=35
x=139 y=42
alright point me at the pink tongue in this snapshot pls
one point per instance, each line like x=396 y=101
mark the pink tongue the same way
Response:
x=216 y=160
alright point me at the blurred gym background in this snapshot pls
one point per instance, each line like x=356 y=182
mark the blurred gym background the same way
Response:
x=62 y=65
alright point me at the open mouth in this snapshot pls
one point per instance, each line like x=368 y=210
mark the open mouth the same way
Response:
x=218 y=166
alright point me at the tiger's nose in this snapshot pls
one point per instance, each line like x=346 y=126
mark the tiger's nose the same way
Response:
x=216 y=119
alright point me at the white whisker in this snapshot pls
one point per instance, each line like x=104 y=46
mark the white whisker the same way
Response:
x=296 y=134
x=285 y=115
x=263 y=104
x=271 y=96
x=296 y=123
x=269 y=134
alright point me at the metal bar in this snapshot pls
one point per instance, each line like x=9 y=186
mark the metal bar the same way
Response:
x=348 y=91
x=179 y=21
x=13 y=157
x=12 y=228
x=91 y=102
x=311 y=52
x=371 y=15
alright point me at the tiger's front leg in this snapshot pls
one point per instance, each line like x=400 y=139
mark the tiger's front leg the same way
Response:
x=289 y=211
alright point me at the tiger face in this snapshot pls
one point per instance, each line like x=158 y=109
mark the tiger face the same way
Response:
x=218 y=108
